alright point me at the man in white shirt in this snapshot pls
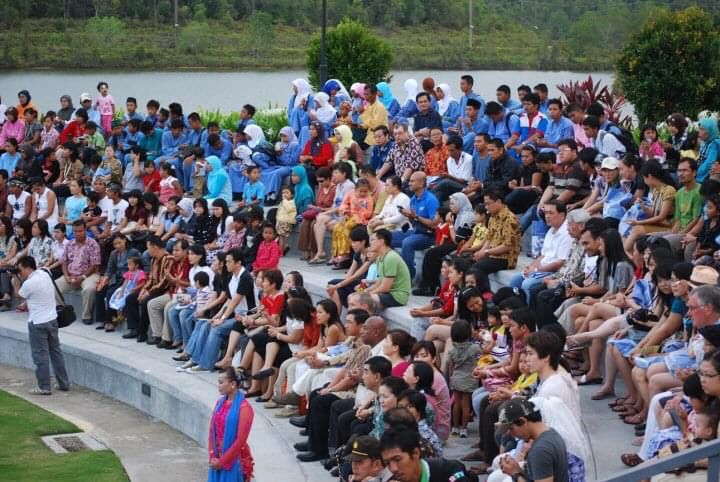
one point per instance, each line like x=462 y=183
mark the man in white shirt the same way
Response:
x=115 y=209
x=459 y=167
x=38 y=291
x=555 y=250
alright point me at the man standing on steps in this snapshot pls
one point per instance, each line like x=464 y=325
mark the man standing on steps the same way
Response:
x=38 y=291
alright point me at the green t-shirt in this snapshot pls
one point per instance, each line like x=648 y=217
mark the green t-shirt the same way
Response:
x=688 y=205
x=393 y=266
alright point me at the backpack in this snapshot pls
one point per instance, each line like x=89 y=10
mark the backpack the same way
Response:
x=626 y=138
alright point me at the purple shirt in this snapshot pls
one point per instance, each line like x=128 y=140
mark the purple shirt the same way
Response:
x=80 y=257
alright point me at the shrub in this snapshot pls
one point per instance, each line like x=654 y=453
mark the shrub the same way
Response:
x=588 y=92
x=105 y=30
x=354 y=54
x=672 y=65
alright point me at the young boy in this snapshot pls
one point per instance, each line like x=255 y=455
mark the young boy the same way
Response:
x=49 y=137
x=246 y=116
x=152 y=108
x=163 y=118
x=92 y=214
x=199 y=172
x=131 y=111
x=93 y=138
x=117 y=136
x=253 y=236
x=268 y=253
x=254 y=191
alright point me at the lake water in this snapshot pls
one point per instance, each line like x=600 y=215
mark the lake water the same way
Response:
x=228 y=91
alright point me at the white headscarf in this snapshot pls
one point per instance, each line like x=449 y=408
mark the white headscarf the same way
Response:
x=290 y=133
x=325 y=113
x=303 y=90
x=411 y=89
x=444 y=103
x=255 y=135
x=465 y=215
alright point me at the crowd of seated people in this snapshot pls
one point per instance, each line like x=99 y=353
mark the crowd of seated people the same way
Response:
x=178 y=232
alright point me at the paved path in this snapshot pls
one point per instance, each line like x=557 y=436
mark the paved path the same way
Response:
x=149 y=450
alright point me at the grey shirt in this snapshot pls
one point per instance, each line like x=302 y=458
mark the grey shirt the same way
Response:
x=548 y=458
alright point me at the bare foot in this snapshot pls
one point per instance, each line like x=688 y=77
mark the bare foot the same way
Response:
x=223 y=364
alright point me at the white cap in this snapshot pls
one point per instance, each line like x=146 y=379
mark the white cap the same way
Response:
x=610 y=163
x=85 y=96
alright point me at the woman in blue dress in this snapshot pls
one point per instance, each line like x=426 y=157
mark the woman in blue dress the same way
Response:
x=299 y=106
x=229 y=454
x=447 y=106
x=323 y=112
x=218 y=181
x=337 y=93
x=392 y=106
x=273 y=171
x=409 y=108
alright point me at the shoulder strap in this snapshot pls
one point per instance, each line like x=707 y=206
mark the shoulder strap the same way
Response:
x=57 y=290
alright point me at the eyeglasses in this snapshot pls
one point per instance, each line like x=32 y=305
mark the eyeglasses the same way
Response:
x=707 y=375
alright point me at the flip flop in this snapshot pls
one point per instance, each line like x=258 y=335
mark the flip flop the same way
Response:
x=631 y=460
x=317 y=261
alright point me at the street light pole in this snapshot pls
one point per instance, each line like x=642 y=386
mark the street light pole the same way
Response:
x=323 y=46
x=470 y=24
x=177 y=25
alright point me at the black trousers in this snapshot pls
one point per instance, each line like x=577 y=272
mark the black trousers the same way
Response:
x=103 y=313
x=489 y=415
x=546 y=302
x=137 y=311
x=339 y=427
x=318 y=421
x=487 y=266
x=432 y=262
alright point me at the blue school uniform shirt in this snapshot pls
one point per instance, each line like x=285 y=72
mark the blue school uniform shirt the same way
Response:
x=244 y=123
x=299 y=118
x=223 y=153
x=393 y=110
x=409 y=109
x=558 y=130
x=133 y=139
x=8 y=162
x=451 y=115
x=478 y=127
x=514 y=106
x=607 y=126
x=472 y=95
x=135 y=115
x=480 y=166
x=171 y=144
x=153 y=119
x=290 y=156
x=503 y=129
x=195 y=137
x=254 y=191
x=544 y=106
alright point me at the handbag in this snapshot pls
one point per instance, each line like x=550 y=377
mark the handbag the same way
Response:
x=310 y=214
x=65 y=313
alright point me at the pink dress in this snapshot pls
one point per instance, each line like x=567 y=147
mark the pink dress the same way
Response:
x=105 y=107
x=167 y=190
x=441 y=404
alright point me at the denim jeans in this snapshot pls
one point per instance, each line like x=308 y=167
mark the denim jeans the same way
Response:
x=528 y=217
x=207 y=348
x=526 y=284
x=409 y=242
x=181 y=329
x=184 y=173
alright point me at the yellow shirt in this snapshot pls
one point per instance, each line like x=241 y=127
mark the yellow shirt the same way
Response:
x=480 y=233
x=504 y=230
x=373 y=116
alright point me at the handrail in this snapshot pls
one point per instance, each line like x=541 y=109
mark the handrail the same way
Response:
x=710 y=451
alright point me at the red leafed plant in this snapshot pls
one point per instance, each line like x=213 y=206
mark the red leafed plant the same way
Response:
x=588 y=91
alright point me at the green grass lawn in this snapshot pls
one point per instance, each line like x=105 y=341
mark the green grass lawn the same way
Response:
x=24 y=457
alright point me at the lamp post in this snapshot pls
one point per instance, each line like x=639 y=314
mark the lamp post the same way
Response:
x=177 y=25
x=470 y=24
x=323 y=46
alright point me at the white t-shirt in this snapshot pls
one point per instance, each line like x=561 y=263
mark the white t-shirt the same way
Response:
x=18 y=204
x=292 y=325
x=39 y=292
x=462 y=169
x=562 y=385
x=41 y=202
x=115 y=212
x=196 y=269
x=390 y=213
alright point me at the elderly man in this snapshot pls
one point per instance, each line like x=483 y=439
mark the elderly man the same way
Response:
x=370 y=334
x=552 y=257
x=405 y=157
x=80 y=264
x=423 y=205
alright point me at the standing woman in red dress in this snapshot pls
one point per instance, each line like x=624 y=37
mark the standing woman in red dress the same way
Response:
x=230 y=457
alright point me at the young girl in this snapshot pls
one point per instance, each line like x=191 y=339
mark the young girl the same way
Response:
x=356 y=208
x=268 y=253
x=169 y=184
x=650 y=146
x=58 y=249
x=285 y=218
x=479 y=232
x=105 y=104
x=422 y=376
x=134 y=279
x=462 y=360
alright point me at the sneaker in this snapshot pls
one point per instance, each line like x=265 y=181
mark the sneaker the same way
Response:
x=197 y=369
x=289 y=398
x=58 y=387
x=463 y=433
x=39 y=391
x=287 y=412
x=455 y=431
x=184 y=367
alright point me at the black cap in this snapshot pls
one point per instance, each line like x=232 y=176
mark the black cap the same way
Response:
x=361 y=448
x=513 y=410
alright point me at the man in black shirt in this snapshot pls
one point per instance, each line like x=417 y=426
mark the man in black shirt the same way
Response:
x=425 y=120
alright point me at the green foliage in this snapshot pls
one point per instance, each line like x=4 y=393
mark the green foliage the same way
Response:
x=262 y=35
x=353 y=52
x=672 y=65
x=105 y=30
x=195 y=38
x=23 y=456
x=270 y=121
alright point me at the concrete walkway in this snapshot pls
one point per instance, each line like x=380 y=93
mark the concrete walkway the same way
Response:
x=149 y=450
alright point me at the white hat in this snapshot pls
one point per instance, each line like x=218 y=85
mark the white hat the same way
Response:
x=85 y=96
x=610 y=163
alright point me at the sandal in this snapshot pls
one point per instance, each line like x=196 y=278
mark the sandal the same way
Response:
x=631 y=460
x=634 y=419
x=584 y=380
x=617 y=401
x=624 y=409
x=628 y=412
x=316 y=261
